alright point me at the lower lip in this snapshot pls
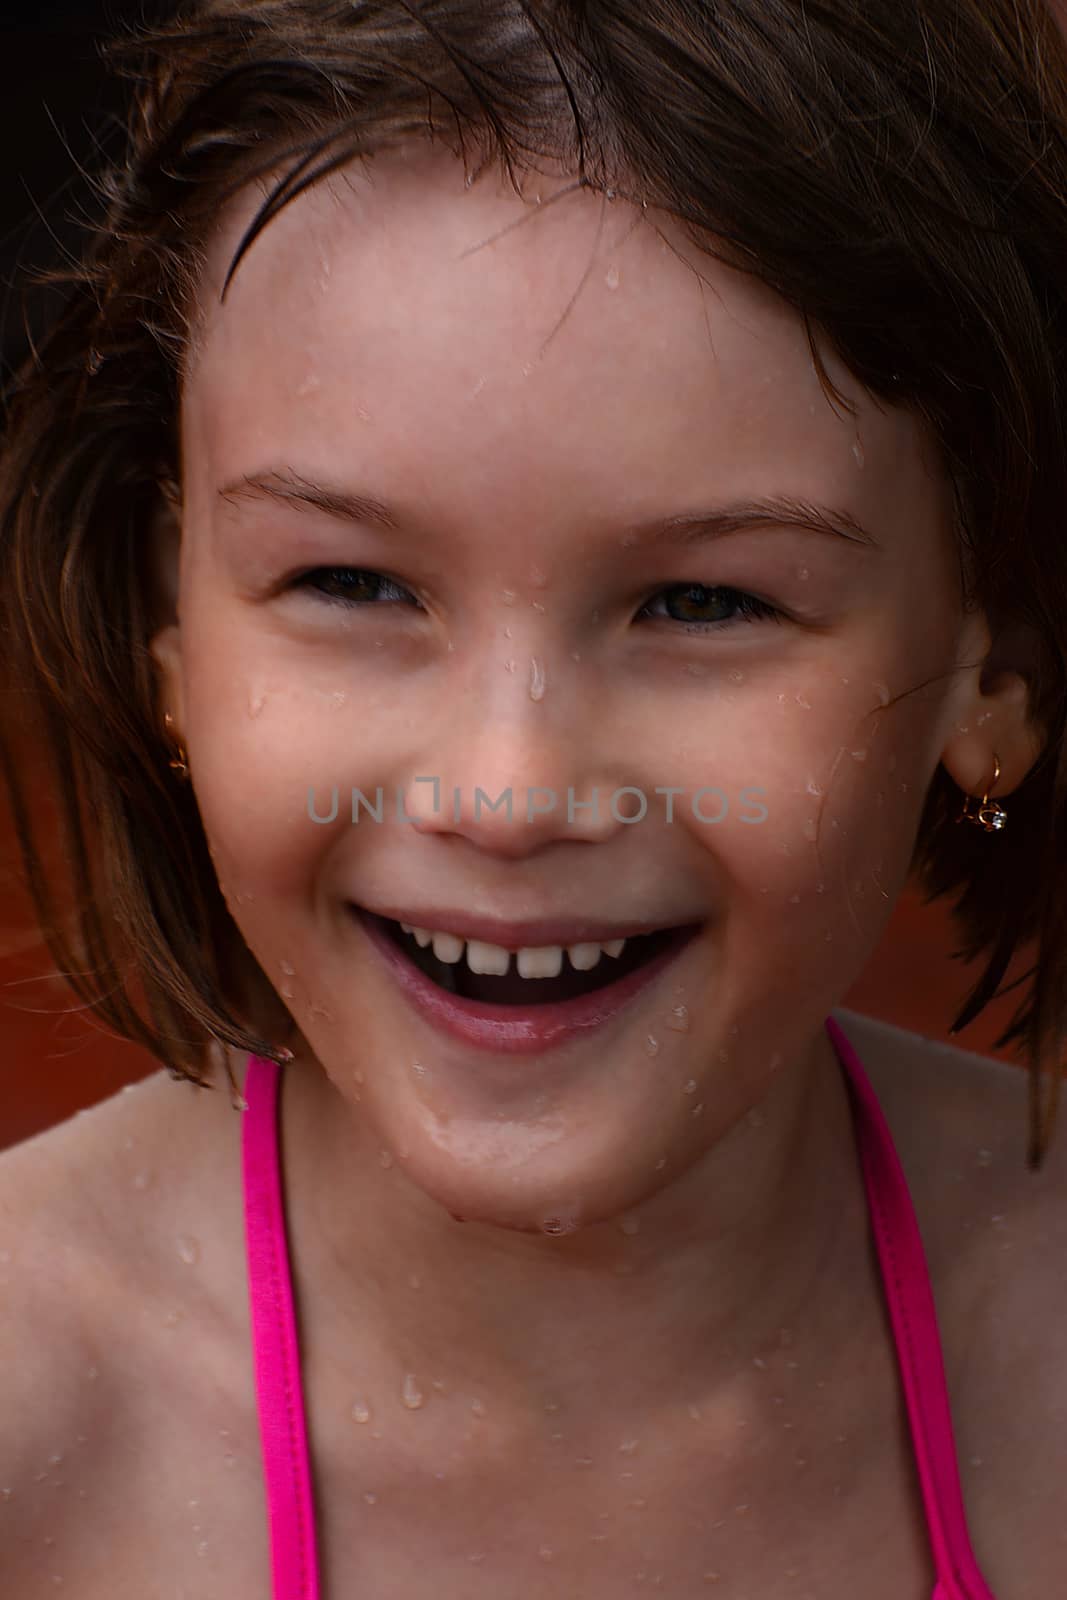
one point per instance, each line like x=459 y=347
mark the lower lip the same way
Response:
x=507 y=1029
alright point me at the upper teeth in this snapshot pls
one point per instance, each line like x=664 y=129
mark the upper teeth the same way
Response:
x=544 y=961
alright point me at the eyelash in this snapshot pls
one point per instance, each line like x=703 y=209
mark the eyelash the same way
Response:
x=749 y=607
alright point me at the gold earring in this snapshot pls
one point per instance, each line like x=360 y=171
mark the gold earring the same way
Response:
x=181 y=764
x=990 y=814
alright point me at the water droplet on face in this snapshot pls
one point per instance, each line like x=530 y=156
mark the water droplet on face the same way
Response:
x=558 y=1225
x=172 y=1319
x=651 y=1045
x=286 y=991
x=360 y=1411
x=858 y=452
x=628 y=1447
x=371 y=1498
x=141 y=1180
x=288 y=969
x=411 y=1393
x=508 y=596
x=256 y=703
x=678 y=1020
x=629 y=1225
x=810 y=829
x=537 y=680
x=357 y=1075
x=611 y=277
x=800 y=700
x=735 y=675
x=385 y=1159
x=187 y=1250
x=690 y=1087
x=984 y=1158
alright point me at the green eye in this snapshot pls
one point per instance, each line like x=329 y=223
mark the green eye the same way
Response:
x=350 y=586
x=697 y=597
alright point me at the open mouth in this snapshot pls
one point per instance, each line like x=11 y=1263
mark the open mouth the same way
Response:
x=509 y=989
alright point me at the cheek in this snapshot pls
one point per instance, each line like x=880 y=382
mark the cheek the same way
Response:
x=843 y=784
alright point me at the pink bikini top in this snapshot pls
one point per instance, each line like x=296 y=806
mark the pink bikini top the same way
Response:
x=905 y=1280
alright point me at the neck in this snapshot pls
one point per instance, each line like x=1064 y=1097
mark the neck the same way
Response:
x=742 y=1265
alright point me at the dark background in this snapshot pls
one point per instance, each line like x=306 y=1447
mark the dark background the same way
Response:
x=57 y=106
x=57 y=102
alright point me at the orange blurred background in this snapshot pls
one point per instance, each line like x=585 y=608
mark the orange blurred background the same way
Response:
x=55 y=1061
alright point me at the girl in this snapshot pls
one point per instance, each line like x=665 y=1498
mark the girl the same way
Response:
x=534 y=522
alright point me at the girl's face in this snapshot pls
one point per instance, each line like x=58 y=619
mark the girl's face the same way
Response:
x=534 y=404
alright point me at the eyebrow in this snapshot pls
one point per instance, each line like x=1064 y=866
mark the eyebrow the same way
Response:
x=687 y=528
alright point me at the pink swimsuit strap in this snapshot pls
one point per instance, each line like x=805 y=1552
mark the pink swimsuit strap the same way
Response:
x=904 y=1277
x=906 y=1282
x=283 y=1432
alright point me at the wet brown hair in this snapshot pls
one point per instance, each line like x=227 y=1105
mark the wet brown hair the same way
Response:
x=895 y=169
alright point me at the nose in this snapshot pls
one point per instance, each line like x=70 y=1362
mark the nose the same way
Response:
x=516 y=776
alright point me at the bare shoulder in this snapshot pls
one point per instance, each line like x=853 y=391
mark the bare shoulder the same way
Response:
x=960 y=1122
x=112 y=1282
x=995 y=1237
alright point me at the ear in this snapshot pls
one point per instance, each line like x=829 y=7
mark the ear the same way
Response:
x=163 y=574
x=991 y=710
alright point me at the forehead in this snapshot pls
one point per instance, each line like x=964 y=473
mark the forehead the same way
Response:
x=473 y=321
